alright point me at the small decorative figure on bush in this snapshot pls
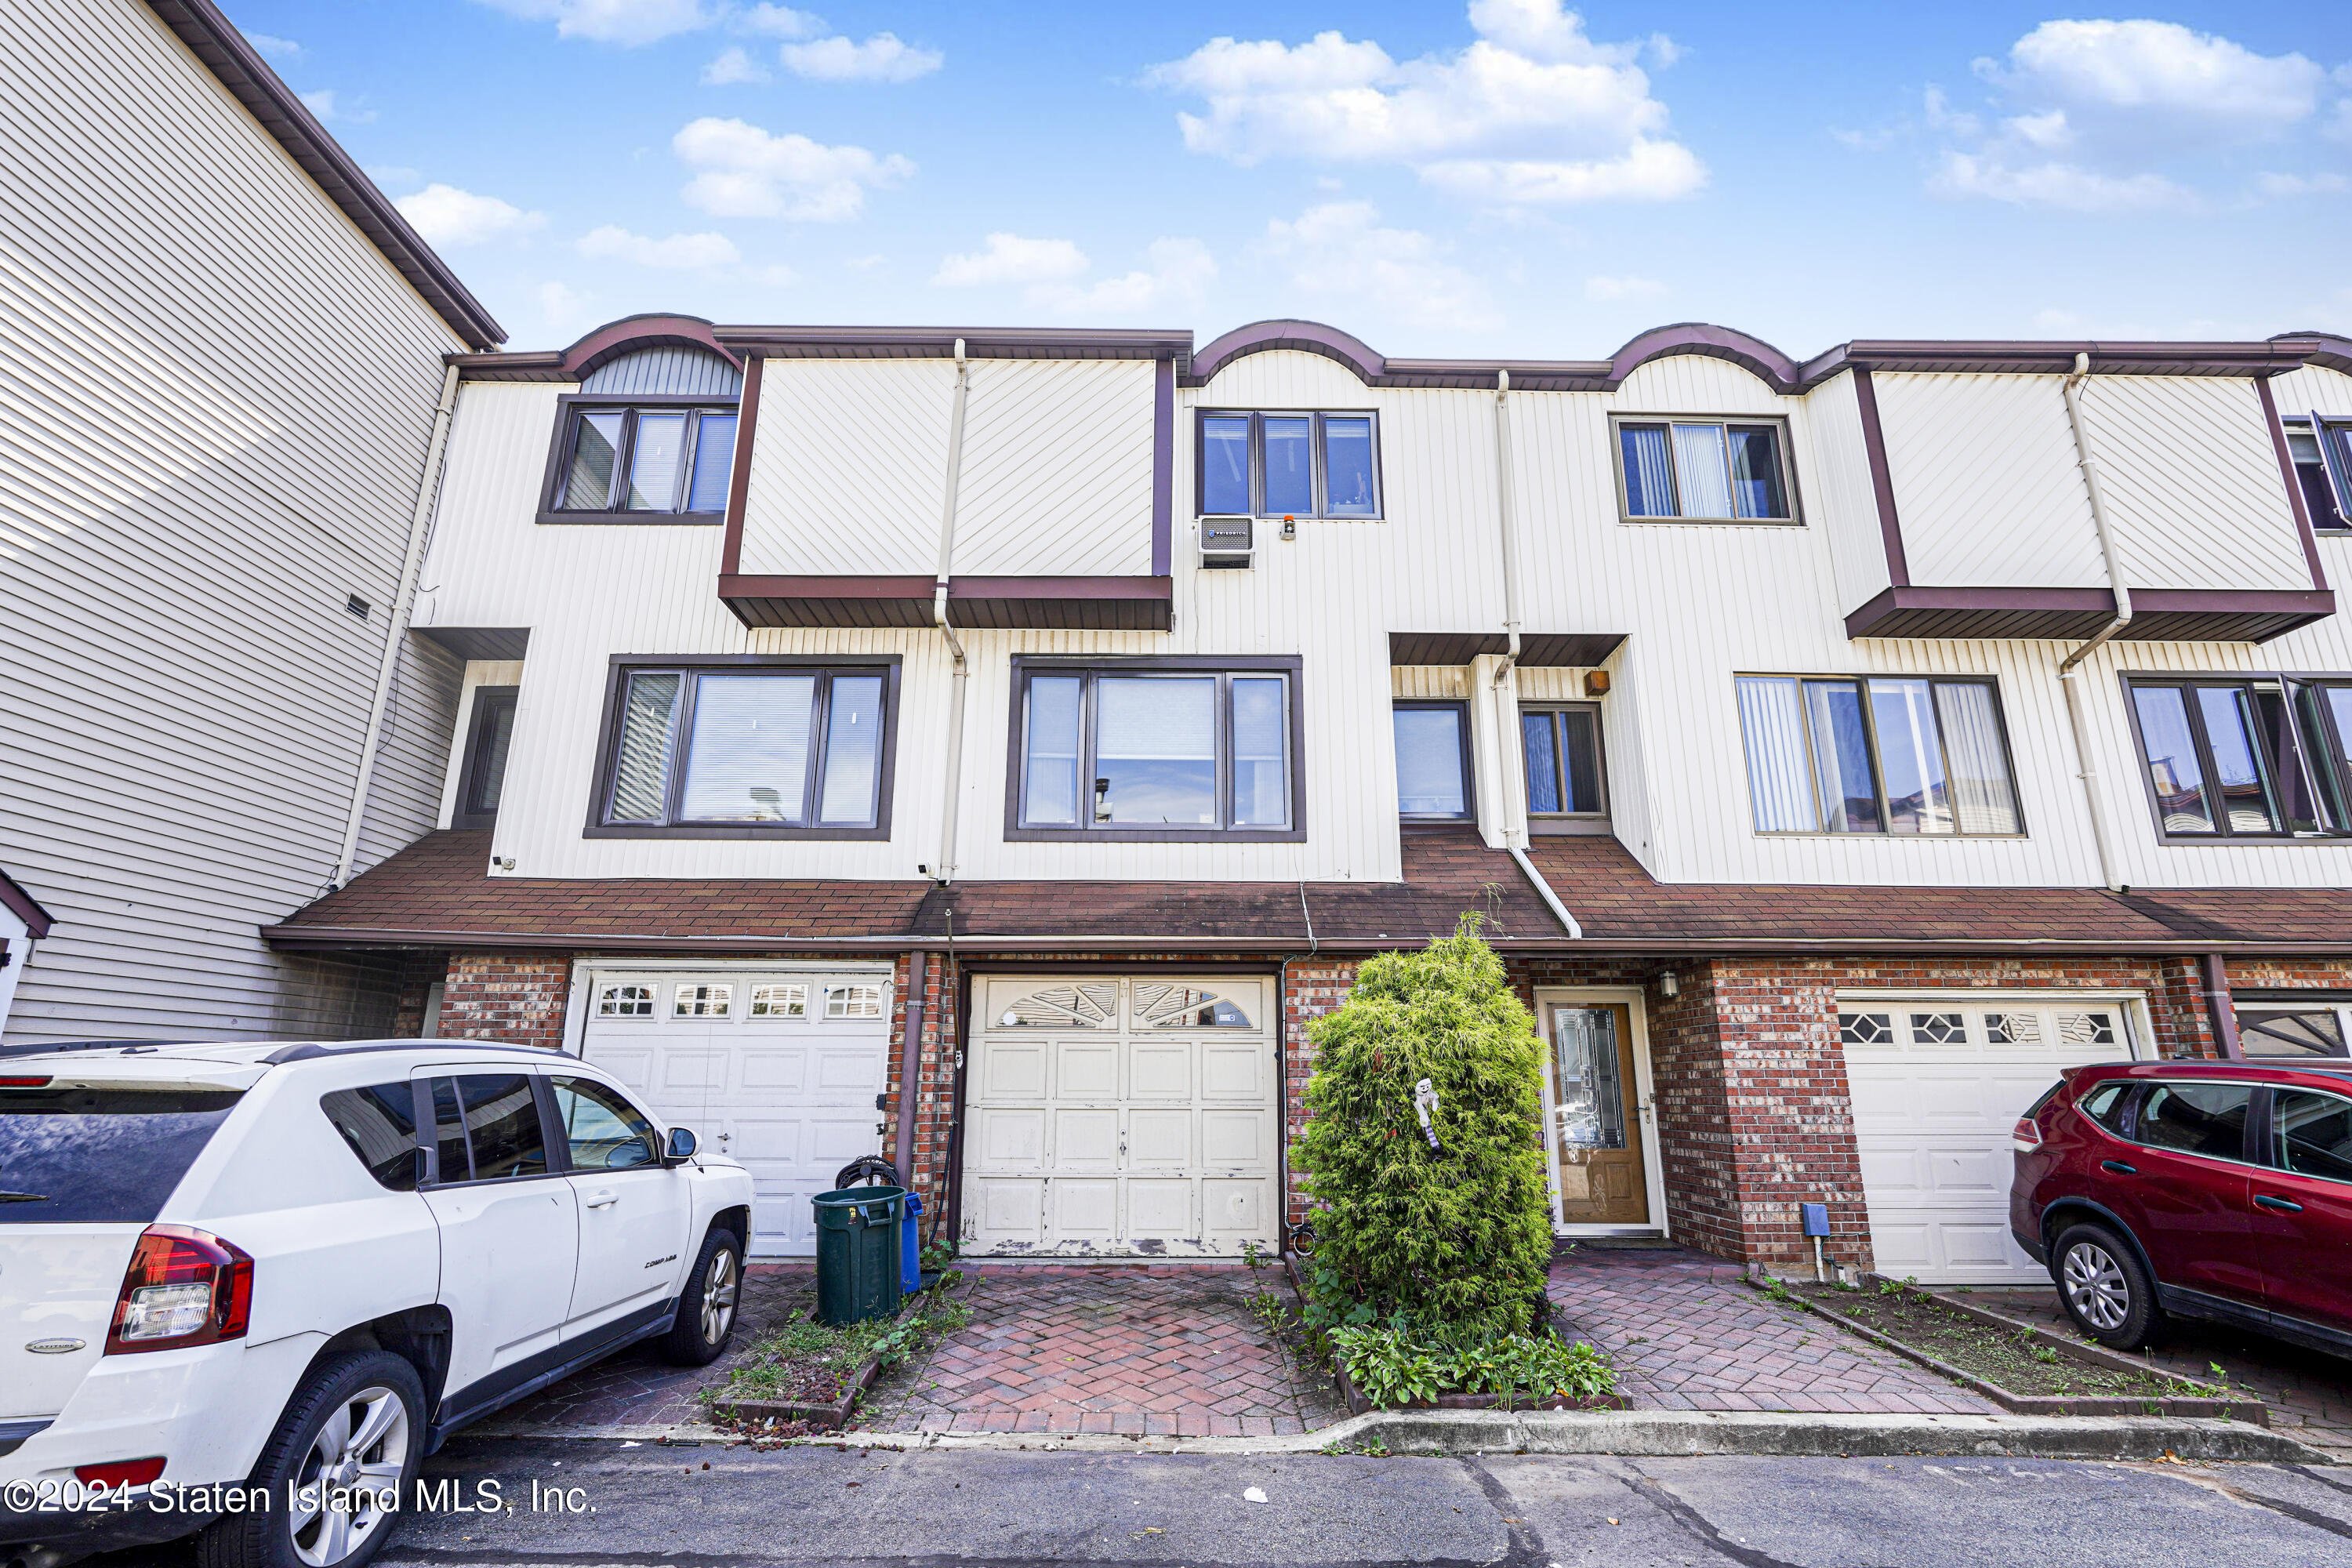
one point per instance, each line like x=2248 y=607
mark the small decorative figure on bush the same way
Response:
x=1450 y=1229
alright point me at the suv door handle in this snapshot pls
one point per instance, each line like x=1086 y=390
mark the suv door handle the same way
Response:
x=2263 y=1200
x=2119 y=1167
x=602 y=1200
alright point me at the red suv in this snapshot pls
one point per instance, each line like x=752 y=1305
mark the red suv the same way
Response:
x=2217 y=1190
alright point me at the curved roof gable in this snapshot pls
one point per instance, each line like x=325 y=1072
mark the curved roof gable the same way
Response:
x=1750 y=354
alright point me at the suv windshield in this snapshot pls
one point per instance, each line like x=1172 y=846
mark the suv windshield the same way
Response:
x=104 y=1155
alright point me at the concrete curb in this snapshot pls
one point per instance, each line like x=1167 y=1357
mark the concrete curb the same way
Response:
x=1651 y=1433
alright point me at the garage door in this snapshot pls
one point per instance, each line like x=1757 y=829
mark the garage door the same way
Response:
x=1121 y=1118
x=776 y=1068
x=1937 y=1080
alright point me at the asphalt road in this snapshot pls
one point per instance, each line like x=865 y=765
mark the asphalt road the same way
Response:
x=705 y=1507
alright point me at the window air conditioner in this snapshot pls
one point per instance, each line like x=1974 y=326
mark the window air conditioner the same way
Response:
x=1226 y=543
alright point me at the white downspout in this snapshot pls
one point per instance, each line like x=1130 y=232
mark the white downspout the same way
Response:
x=1512 y=791
x=396 y=621
x=944 y=872
x=2070 y=672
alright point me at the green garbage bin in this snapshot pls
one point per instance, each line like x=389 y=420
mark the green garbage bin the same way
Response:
x=857 y=1253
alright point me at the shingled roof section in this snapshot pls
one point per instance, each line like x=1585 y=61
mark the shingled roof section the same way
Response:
x=437 y=893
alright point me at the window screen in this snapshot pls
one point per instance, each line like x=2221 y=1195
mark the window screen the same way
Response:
x=1432 y=760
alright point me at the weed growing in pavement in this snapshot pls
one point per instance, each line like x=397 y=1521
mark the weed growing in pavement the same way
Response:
x=807 y=1361
x=1253 y=1256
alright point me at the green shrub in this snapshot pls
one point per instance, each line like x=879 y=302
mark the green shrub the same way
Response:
x=1392 y=1368
x=1459 y=1235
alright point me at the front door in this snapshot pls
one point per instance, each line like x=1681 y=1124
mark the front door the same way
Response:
x=1595 y=1129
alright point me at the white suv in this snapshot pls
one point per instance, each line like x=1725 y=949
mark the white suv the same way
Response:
x=294 y=1270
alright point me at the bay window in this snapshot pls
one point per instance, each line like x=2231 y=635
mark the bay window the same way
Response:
x=1155 y=748
x=2260 y=756
x=747 y=748
x=1703 y=470
x=644 y=461
x=1903 y=754
x=1289 y=465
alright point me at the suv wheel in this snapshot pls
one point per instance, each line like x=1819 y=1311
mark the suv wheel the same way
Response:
x=349 y=1443
x=706 y=1308
x=2105 y=1290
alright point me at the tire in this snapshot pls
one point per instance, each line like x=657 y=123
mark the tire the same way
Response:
x=342 y=1399
x=2104 y=1288
x=707 y=1307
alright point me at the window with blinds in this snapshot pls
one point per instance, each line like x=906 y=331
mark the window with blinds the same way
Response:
x=1876 y=755
x=1144 y=750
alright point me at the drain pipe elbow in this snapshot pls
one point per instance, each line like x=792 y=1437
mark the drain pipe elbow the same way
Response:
x=1544 y=890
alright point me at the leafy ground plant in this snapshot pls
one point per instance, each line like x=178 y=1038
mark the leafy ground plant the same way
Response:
x=1395 y=1366
x=809 y=1362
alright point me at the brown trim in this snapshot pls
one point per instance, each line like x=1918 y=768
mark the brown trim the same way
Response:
x=1539 y=650
x=939 y=343
x=1024 y=665
x=739 y=482
x=1163 y=467
x=1881 y=482
x=25 y=907
x=478 y=642
x=2160 y=614
x=651 y=329
x=485 y=697
x=326 y=938
x=2220 y=1007
x=222 y=50
x=1135 y=603
x=2293 y=484
x=608 y=739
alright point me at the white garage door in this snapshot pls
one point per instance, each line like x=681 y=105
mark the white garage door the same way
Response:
x=776 y=1068
x=1939 y=1080
x=1121 y=1118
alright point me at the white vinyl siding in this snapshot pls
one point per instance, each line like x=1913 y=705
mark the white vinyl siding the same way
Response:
x=219 y=395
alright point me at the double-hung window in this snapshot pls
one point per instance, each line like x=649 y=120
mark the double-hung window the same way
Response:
x=1562 y=747
x=1433 y=761
x=2245 y=756
x=1155 y=748
x=1703 y=470
x=748 y=749
x=643 y=461
x=2322 y=450
x=1876 y=755
x=1289 y=465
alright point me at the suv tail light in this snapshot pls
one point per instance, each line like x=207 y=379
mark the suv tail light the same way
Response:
x=184 y=1287
x=2026 y=1136
x=120 y=1472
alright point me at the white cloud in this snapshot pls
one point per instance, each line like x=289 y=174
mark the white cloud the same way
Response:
x=566 y=308
x=1533 y=112
x=1338 y=250
x=446 y=215
x=331 y=110
x=881 y=58
x=734 y=66
x=688 y=251
x=1046 y=271
x=2281 y=187
x=2069 y=186
x=2339 y=125
x=2158 y=68
x=778 y=22
x=275 y=49
x=746 y=172
x=1010 y=259
x=2048 y=131
x=627 y=23
x=1609 y=290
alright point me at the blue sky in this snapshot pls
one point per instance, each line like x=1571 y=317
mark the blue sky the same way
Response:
x=1504 y=177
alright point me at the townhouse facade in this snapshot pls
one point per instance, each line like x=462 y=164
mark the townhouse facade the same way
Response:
x=221 y=381
x=991 y=748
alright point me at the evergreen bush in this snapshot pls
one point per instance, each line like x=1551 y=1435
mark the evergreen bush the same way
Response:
x=1455 y=1238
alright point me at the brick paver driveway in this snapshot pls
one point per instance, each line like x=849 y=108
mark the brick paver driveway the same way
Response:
x=1149 y=1349
x=2309 y=1391
x=1685 y=1334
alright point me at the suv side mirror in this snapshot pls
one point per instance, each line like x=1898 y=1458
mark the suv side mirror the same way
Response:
x=681 y=1146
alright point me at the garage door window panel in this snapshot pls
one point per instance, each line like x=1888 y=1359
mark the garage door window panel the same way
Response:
x=748 y=752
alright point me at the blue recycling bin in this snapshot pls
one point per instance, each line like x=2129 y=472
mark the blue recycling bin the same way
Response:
x=910 y=1247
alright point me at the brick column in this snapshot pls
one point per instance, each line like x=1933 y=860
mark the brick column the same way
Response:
x=1310 y=989
x=934 y=1081
x=517 y=997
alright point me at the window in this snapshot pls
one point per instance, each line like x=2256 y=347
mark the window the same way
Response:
x=487 y=1128
x=703 y=1002
x=780 y=1001
x=2293 y=1033
x=2245 y=756
x=1152 y=749
x=481 y=778
x=1289 y=465
x=1705 y=470
x=2207 y=1119
x=2105 y=1104
x=1563 y=754
x=853 y=1001
x=662 y=460
x=603 y=1131
x=2323 y=467
x=748 y=749
x=379 y=1123
x=1876 y=755
x=1433 y=760
x=2312 y=1134
x=626 y=1002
